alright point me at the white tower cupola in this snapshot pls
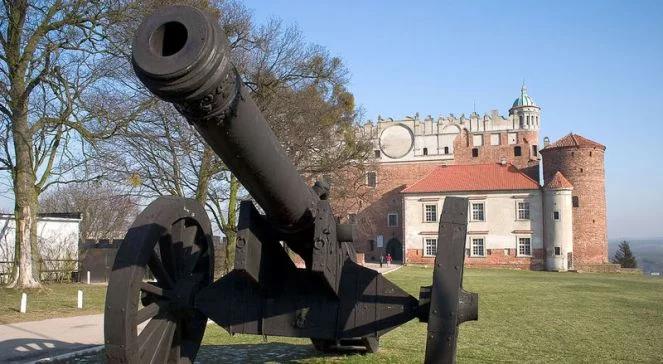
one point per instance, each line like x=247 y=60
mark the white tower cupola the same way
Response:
x=525 y=112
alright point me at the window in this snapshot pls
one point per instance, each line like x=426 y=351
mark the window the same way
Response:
x=478 y=247
x=494 y=139
x=430 y=247
x=556 y=215
x=430 y=213
x=517 y=151
x=352 y=218
x=377 y=153
x=372 y=244
x=558 y=250
x=524 y=246
x=392 y=219
x=478 y=211
x=477 y=140
x=371 y=179
x=513 y=137
x=523 y=210
x=475 y=152
x=574 y=201
x=535 y=150
x=446 y=150
x=425 y=151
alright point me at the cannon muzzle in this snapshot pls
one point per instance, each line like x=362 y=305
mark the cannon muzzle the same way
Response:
x=183 y=57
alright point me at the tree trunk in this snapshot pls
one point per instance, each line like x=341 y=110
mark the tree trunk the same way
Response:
x=26 y=205
x=231 y=223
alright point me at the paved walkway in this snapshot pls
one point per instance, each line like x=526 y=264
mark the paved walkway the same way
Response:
x=29 y=341
x=385 y=269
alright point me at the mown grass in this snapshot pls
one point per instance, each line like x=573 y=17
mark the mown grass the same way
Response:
x=51 y=301
x=525 y=317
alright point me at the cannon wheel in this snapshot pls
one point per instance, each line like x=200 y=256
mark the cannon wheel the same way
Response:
x=172 y=237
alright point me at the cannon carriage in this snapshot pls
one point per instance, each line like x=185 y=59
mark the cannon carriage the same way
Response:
x=182 y=56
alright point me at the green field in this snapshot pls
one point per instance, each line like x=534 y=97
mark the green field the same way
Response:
x=523 y=317
x=53 y=300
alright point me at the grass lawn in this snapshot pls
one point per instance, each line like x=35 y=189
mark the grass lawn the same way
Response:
x=53 y=300
x=524 y=317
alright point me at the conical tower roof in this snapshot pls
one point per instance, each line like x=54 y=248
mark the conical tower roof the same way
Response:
x=558 y=182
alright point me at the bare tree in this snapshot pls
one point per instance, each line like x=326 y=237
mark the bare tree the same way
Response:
x=58 y=95
x=106 y=211
x=299 y=87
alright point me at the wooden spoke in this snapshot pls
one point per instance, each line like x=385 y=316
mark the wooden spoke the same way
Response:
x=169 y=254
x=177 y=246
x=155 y=340
x=150 y=288
x=192 y=334
x=159 y=271
x=175 y=355
x=192 y=251
x=147 y=313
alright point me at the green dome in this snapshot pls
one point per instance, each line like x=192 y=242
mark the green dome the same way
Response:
x=524 y=99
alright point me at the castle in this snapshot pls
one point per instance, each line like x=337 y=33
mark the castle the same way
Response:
x=494 y=161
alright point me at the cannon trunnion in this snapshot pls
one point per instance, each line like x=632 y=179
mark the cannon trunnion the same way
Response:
x=182 y=56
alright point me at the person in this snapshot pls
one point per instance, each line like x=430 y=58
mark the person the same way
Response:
x=381 y=260
x=388 y=260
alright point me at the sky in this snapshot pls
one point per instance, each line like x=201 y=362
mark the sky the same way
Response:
x=594 y=67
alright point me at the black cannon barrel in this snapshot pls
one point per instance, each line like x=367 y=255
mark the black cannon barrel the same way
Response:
x=183 y=57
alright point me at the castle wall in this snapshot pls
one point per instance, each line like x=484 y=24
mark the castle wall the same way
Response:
x=584 y=168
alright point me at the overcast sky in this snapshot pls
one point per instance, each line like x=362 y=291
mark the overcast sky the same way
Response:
x=594 y=67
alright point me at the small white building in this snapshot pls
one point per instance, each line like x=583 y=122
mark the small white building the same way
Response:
x=506 y=215
x=58 y=236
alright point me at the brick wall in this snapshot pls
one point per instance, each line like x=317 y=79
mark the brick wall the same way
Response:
x=495 y=258
x=584 y=168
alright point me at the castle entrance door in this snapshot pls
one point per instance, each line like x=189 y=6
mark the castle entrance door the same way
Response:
x=395 y=248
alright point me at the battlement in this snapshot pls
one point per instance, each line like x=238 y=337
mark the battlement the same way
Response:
x=451 y=124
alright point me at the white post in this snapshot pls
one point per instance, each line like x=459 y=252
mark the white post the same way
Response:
x=80 y=299
x=24 y=303
x=88 y=277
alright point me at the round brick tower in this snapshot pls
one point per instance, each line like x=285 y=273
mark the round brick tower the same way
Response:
x=581 y=161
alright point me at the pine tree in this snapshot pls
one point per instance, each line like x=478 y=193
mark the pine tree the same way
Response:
x=624 y=257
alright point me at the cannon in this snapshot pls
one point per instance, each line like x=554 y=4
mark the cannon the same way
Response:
x=162 y=292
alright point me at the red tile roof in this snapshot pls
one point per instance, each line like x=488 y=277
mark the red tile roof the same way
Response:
x=574 y=140
x=475 y=177
x=558 y=182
